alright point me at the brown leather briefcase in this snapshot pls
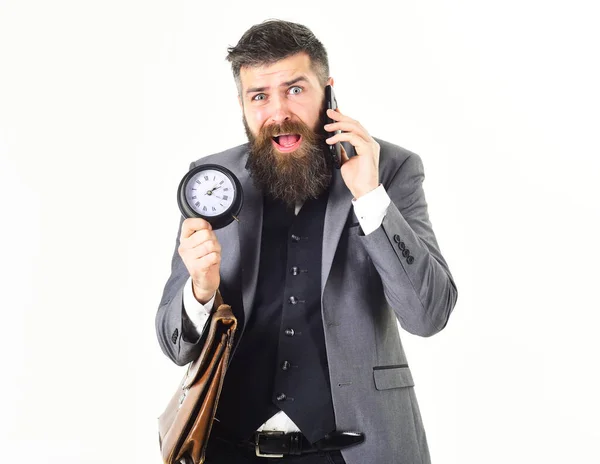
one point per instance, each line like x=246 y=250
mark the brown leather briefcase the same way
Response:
x=185 y=425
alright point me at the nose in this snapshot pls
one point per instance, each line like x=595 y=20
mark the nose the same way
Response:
x=280 y=111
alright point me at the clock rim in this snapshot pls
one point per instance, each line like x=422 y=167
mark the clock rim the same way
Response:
x=219 y=220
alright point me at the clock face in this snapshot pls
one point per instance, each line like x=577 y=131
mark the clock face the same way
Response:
x=210 y=192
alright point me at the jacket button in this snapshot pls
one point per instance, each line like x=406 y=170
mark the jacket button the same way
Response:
x=295 y=270
x=289 y=332
x=295 y=238
x=281 y=397
x=397 y=238
x=293 y=300
x=401 y=245
x=405 y=253
x=410 y=259
x=285 y=365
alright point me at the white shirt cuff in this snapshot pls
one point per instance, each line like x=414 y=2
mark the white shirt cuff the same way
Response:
x=196 y=311
x=370 y=209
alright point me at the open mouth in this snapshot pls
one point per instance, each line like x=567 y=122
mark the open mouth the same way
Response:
x=287 y=142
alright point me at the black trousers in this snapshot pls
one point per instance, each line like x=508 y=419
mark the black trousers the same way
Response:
x=219 y=451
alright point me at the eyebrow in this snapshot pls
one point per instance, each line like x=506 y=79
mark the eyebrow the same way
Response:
x=283 y=84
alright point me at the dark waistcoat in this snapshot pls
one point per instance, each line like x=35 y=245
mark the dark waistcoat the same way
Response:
x=281 y=363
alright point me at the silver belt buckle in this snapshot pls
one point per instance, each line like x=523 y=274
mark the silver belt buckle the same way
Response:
x=256 y=440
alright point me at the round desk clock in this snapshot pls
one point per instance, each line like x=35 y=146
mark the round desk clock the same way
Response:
x=210 y=192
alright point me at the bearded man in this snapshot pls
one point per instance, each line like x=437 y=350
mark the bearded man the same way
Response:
x=319 y=270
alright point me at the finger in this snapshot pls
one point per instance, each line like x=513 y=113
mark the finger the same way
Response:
x=199 y=262
x=337 y=115
x=207 y=248
x=198 y=237
x=206 y=262
x=202 y=249
x=351 y=137
x=191 y=225
x=348 y=126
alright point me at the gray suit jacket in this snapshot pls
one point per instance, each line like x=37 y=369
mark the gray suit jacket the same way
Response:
x=366 y=286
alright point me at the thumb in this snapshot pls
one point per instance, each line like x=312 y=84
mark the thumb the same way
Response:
x=344 y=154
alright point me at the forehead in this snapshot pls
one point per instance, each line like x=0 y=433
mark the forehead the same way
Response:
x=275 y=73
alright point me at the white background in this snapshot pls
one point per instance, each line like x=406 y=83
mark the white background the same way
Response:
x=104 y=104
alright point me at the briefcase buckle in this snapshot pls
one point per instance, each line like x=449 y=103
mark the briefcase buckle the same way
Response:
x=257 y=440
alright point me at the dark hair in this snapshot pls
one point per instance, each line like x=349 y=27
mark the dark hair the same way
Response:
x=273 y=40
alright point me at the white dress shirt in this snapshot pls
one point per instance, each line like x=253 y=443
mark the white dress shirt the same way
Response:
x=370 y=210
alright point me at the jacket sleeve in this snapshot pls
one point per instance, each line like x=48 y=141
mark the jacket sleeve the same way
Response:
x=416 y=279
x=177 y=336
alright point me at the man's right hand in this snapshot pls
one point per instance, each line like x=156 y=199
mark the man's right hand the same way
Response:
x=201 y=253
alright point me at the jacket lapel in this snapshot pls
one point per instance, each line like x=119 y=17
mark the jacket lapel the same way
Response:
x=249 y=229
x=338 y=206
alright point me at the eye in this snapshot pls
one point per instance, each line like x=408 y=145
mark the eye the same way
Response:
x=298 y=88
x=254 y=98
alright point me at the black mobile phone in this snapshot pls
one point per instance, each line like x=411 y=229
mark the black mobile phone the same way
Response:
x=335 y=150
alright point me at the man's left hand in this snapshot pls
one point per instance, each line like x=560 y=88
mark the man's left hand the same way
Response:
x=361 y=172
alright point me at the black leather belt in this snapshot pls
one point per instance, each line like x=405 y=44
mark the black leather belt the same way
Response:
x=280 y=444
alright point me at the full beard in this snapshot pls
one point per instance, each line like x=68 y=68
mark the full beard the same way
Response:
x=295 y=176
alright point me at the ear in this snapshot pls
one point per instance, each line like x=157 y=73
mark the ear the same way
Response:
x=240 y=102
x=330 y=81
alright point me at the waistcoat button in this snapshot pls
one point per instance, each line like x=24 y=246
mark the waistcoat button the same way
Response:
x=285 y=365
x=289 y=332
x=295 y=238
x=293 y=300
x=295 y=270
x=281 y=397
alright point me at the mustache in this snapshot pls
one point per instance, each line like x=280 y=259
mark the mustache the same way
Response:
x=266 y=133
